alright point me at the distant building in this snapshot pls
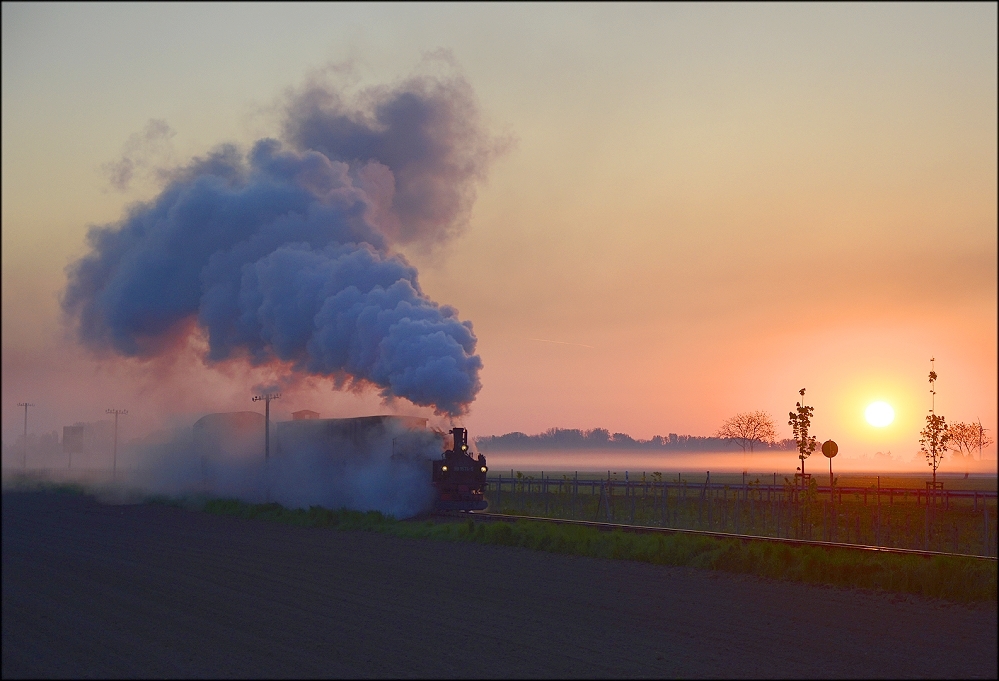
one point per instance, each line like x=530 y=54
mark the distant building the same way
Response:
x=72 y=439
x=304 y=415
x=96 y=437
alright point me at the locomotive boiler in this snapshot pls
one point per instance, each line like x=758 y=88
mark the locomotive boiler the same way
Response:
x=460 y=479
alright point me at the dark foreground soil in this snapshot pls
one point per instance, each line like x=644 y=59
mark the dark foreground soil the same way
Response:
x=154 y=591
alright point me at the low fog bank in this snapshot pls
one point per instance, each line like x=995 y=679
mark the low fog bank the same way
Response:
x=783 y=463
x=385 y=469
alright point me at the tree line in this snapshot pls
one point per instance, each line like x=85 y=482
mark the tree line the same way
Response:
x=601 y=438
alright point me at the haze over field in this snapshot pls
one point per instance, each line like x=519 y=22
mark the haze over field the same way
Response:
x=760 y=464
x=644 y=218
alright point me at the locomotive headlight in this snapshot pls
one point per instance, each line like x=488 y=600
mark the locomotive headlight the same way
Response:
x=464 y=447
x=444 y=469
x=483 y=469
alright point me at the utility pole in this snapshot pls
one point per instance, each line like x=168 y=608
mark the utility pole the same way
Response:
x=114 y=460
x=24 y=456
x=267 y=397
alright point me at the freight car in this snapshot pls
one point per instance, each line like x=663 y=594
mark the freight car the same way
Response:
x=460 y=479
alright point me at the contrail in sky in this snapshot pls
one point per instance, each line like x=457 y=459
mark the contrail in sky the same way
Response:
x=545 y=340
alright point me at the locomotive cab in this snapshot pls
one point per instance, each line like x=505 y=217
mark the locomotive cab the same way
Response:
x=460 y=479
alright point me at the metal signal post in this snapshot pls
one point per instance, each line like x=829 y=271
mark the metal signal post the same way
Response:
x=114 y=456
x=267 y=420
x=830 y=449
x=24 y=456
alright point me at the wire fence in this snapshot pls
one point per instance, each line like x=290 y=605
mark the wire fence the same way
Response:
x=931 y=519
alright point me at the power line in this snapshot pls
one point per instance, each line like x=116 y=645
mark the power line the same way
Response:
x=114 y=460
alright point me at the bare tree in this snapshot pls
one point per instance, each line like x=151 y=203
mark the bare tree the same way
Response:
x=748 y=428
x=965 y=438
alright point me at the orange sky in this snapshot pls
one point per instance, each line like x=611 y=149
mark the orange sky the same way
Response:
x=708 y=207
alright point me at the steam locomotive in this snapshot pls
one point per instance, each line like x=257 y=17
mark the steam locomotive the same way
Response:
x=458 y=478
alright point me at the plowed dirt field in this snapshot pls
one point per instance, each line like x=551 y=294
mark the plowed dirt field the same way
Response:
x=93 y=590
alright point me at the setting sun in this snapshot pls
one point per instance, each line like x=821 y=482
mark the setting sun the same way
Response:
x=879 y=414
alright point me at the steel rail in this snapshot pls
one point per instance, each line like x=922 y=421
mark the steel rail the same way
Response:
x=646 y=529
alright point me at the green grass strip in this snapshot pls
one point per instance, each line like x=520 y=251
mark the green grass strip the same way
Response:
x=948 y=577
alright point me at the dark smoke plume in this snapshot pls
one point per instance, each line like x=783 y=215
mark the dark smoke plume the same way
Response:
x=415 y=149
x=285 y=252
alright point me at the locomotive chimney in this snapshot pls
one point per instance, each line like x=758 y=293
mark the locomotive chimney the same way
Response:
x=460 y=436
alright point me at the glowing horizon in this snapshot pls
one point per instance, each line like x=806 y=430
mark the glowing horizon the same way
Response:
x=689 y=211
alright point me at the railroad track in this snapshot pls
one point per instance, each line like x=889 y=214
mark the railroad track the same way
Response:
x=646 y=529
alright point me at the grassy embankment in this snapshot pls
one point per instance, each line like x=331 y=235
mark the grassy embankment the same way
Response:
x=951 y=578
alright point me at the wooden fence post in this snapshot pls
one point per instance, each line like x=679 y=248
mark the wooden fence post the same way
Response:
x=707 y=494
x=665 y=512
x=987 y=549
x=725 y=519
x=926 y=527
x=632 y=521
x=779 y=508
x=575 y=493
x=544 y=491
x=877 y=529
x=596 y=516
x=609 y=499
x=682 y=507
x=700 y=509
